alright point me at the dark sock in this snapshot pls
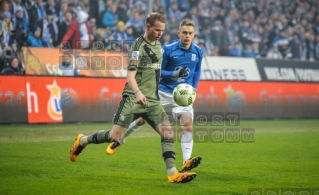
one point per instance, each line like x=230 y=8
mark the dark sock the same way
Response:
x=168 y=152
x=99 y=137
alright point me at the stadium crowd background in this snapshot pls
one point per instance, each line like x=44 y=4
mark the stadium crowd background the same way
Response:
x=276 y=29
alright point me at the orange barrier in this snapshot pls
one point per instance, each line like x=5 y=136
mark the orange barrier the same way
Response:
x=79 y=99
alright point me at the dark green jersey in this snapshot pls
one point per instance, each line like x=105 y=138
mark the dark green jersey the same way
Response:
x=146 y=59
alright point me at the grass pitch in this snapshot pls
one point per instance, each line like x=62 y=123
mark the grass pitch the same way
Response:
x=34 y=160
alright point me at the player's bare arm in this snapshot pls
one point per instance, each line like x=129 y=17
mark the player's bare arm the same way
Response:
x=140 y=98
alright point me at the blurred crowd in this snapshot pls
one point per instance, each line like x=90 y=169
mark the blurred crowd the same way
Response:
x=277 y=29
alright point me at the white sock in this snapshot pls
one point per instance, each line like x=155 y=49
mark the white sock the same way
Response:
x=187 y=145
x=84 y=141
x=133 y=127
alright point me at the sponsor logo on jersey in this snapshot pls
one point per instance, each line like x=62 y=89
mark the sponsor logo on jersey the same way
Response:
x=193 y=57
x=154 y=66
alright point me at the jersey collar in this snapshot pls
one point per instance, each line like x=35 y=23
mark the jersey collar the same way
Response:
x=181 y=46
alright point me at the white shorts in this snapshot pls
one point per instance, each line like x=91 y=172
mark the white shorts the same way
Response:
x=167 y=102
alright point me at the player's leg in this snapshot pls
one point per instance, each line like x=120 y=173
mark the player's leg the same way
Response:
x=132 y=128
x=165 y=100
x=111 y=148
x=185 y=117
x=121 y=120
x=186 y=123
x=163 y=127
x=103 y=136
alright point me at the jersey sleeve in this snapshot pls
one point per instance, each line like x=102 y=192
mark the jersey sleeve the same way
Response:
x=165 y=73
x=197 y=71
x=133 y=57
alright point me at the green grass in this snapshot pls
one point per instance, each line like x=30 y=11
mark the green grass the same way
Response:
x=34 y=160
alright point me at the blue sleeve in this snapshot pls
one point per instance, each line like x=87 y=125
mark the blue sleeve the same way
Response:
x=165 y=73
x=197 y=72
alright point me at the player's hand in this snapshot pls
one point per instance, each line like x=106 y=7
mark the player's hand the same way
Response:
x=181 y=72
x=140 y=98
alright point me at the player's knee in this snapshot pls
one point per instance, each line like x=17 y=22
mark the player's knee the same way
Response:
x=140 y=121
x=167 y=132
x=187 y=128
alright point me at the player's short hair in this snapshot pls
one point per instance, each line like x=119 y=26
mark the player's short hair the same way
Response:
x=155 y=16
x=186 y=22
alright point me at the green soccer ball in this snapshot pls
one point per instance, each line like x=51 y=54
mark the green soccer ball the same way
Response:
x=184 y=94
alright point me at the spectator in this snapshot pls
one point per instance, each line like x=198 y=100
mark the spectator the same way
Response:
x=243 y=32
x=137 y=23
x=207 y=37
x=67 y=66
x=253 y=34
x=281 y=42
x=17 y=4
x=174 y=12
x=256 y=52
x=72 y=9
x=85 y=6
x=50 y=5
x=119 y=34
x=49 y=30
x=248 y=52
x=36 y=13
x=13 y=68
x=77 y=5
x=121 y=11
x=204 y=21
x=64 y=25
x=193 y=16
x=184 y=5
x=129 y=32
x=34 y=39
x=172 y=25
x=309 y=45
x=274 y=54
x=7 y=28
x=5 y=7
x=235 y=51
x=219 y=37
x=229 y=32
x=110 y=18
x=61 y=12
x=79 y=31
x=295 y=47
x=19 y=22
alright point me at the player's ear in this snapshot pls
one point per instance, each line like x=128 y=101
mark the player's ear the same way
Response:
x=148 y=26
x=178 y=33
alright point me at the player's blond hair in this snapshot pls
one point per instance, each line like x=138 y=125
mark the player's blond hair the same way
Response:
x=186 y=22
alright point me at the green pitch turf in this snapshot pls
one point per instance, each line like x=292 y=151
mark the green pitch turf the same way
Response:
x=34 y=159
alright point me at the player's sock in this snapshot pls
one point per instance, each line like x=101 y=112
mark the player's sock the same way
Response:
x=168 y=153
x=132 y=128
x=187 y=145
x=96 y=138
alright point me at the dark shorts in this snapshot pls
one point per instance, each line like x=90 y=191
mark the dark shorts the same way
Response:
x=129 y=110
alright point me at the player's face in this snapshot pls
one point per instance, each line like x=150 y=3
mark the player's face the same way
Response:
x=156 y=31
x=186 y=35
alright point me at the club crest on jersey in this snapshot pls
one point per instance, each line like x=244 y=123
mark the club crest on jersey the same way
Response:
x=193 y=57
